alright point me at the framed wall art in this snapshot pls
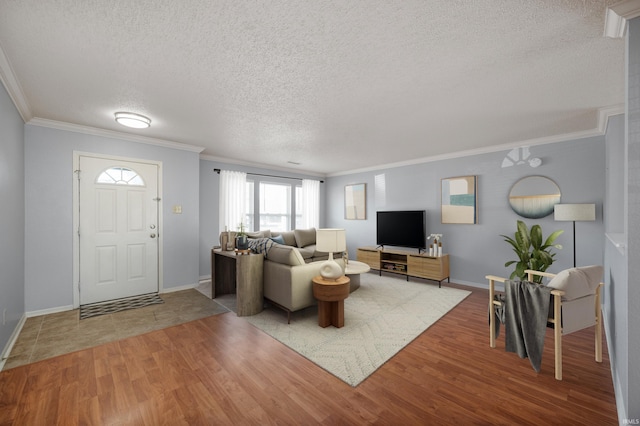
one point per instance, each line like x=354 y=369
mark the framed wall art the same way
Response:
x=459 y=200
x=355 y=201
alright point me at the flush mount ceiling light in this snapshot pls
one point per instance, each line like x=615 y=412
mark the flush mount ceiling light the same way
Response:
x=130 y=119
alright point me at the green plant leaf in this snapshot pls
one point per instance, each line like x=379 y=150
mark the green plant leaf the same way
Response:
x=551 y=238
x=536 y=236
x=532 y=254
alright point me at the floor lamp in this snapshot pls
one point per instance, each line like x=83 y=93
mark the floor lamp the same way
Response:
x=574 y=213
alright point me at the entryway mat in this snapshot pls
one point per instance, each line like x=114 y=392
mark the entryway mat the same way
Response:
x=103 y=308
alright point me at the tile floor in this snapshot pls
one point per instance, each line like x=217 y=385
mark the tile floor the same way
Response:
x=50 y=335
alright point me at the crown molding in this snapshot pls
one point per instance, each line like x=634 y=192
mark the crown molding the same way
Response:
x=59 y=125
x=216 y=159
x=617 y=16
x=9 y=81
x=604 y=114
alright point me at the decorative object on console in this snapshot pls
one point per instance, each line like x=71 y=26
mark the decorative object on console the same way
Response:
x=574 y=213
x=459 y=202
x=532 y=253
x=533 y=197
x=330 y=241
x=355 y=201
x=436 y=248
x=242 y=242
x=224 y=239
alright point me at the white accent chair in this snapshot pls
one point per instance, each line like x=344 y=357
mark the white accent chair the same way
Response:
x=576 y=305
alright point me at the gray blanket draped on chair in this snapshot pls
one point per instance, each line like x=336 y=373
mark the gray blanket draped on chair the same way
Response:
x=525 y=311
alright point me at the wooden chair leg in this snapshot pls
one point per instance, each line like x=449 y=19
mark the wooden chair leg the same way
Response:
x=598 y=326
x=557 y=335
x=492 y=316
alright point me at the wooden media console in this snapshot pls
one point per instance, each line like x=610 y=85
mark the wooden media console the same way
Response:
x=435 y=268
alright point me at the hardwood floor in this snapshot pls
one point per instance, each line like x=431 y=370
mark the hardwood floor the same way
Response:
x=222 y=370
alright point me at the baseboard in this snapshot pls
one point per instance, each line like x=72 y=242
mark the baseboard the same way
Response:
x=205 y=277
x=49 y=311
x=485 y=286
x=179 y=288
x=12 y=340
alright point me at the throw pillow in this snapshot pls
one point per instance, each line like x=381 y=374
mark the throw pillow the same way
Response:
x=305 y=237
x=278 y=239
x=260 y=245
x=259 y=234
x=577 y=282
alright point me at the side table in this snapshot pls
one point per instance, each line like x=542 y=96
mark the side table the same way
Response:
x=232 y=272
x=331 y=295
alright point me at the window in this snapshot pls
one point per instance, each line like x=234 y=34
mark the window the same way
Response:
x=298 y=204
x=120 y=176
x=276 y=201
x=248 y=221
x=275 y=206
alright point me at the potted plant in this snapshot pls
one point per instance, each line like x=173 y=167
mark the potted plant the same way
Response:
x=532 y=253
x=242 y=242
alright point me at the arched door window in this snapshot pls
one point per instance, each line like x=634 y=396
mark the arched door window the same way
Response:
x=120 y=176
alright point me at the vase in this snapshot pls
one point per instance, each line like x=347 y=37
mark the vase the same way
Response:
x=242 y=242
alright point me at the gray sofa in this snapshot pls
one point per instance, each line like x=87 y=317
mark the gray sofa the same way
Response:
x=290 y=267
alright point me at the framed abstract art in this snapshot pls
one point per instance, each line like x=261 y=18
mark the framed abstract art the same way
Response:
x=459 y=200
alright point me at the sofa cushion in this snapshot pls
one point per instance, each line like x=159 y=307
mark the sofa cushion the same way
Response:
x=259 y=234
x=278 y=239
x=577 y=282
x=308 y=252
x=288 y=236
x=260 y=245
x=286 y=255
x=305 y=237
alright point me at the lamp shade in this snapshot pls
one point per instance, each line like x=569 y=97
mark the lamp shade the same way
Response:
x=574 y=212
x=331 y=240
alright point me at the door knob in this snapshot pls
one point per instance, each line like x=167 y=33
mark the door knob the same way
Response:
x=153 y=235
x=152 y=226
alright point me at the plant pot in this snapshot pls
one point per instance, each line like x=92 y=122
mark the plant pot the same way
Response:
x=242 y=242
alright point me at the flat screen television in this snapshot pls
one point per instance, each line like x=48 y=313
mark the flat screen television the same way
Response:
x=402 y=228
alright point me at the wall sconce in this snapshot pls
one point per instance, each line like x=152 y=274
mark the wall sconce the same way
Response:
x=521 y=157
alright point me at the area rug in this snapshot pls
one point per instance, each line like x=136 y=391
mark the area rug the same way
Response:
x=103 y=308
x=381 y=317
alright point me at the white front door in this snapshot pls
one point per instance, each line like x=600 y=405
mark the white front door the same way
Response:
x=118 y=229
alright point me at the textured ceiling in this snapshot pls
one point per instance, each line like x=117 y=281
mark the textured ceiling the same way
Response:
x=331 y=85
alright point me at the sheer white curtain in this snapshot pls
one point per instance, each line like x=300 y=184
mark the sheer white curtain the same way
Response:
x=310 y=204
x=232 y=199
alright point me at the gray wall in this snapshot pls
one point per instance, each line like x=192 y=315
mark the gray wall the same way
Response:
x=622 y=316
x=633 y=129
x=577 y=167
x=621 y=295
x=11 y=218
x=209 y=210
x=48 y=236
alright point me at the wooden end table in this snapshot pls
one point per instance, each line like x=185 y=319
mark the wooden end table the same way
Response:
x=331 y=295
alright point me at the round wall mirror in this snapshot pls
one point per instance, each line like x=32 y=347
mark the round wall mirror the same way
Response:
x=533 y=197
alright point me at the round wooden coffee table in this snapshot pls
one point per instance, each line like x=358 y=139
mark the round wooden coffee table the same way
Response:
x=331 y=295
x=353 y=271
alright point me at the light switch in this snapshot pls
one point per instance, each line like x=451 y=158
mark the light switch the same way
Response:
x=177 y=209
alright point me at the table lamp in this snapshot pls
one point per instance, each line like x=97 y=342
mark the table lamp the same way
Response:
x=330 y=241
x=574 y=212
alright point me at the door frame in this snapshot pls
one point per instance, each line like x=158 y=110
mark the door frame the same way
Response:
x=76 y=217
